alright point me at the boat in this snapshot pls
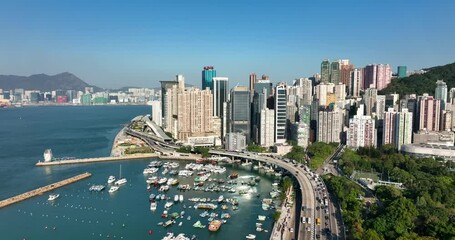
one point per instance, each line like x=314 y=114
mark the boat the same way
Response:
x=176 y=198
x=153 y=206
x=168 y=223
x=210 y=206
x=220 y=199
x=47 y=155
x=188 y=218
x=182 y=213
x=204 y=214
x=259 y=229
x=163 y=188
x=152 y=197
x=261 y=218
x=111 y=179
x=234 y=175
x=251 y=236
x=180 y=224
x=151 y=170
x=165 y=171
x=174 y=215
x=181 y=198
x=52 y=197
x=96 y=188
x=198 y=224
x=164 y=214
x=214 y=225
x=121 y=180
x=113 y=189
x=162 y=181
x=225 y=215
x=168 y=204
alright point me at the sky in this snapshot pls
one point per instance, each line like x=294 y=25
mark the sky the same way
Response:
x=113 y=44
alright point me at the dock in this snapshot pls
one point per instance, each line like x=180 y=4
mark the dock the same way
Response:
x=119 y=158
x=41 y=190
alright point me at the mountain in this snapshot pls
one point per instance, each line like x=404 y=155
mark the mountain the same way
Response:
x=43 y=82
x=423 y=83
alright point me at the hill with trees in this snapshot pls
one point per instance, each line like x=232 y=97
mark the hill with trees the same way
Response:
x=423 y=83
x=424 y=209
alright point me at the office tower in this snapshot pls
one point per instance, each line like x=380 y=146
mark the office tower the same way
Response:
x=389 y=127
x=261 y=93
x=402 y=71
x=325 y=71
x=280 y=112
x=240 y=111
x=361 y=132
x=356 y=82
x=156 y=112
x=345 y=73
x=267 y=127
x=403 y=126
x=384 y=76
x=369 y=76
x=379 y=107
x=165 y=85
x=220 y=95
x=329 y=125
x=441 y=93
x=335 y=72
x=429 y=113
x=253 y=80
x=369 y=99
x=207 y=77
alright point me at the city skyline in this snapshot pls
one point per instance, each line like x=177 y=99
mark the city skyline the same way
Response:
x=144 y=43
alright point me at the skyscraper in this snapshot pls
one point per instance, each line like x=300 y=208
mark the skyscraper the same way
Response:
x=165 y=86
x=240 y=111
x=402 y=71
x=220 y=95
x=252 y=79
x=207 y=77
x=356 y=82
x=441 y=93
x=280 y=112
x=325 y=71
x=267 y=126
x=361 y=132
x=369 y=76
x=403 y=126
x=156 y=112
x=384 y=76
x=345 y=73
x=335 y=72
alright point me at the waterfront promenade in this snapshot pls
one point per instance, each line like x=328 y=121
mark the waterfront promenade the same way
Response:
x=282 y=227
x=42 y=190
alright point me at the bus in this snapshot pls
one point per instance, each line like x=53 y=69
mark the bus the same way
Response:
x=318 y=221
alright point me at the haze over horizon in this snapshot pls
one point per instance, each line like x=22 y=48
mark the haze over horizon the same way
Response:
x=140 y=43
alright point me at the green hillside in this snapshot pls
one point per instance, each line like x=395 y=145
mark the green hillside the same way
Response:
x=423 y=83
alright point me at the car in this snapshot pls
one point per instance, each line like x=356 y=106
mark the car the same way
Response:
x=308 y=229
x=326 y=217
x=291 y=230
x=318 y=236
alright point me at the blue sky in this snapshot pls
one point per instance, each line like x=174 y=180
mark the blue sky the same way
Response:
x=138 y=43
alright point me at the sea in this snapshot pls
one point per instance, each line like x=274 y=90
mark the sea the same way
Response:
x=89 y=131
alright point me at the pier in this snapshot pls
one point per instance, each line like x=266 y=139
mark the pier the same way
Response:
x=41 y=190
x=119 y=158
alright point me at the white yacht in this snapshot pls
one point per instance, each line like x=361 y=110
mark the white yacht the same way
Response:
x=121 y=181
x=168 y=204
x=153 y=206
x=251 y=236
x=113 y=189
x=111 y=179
x=176 y=198
x=52 y=197
x=181 y=198
x=151 y=170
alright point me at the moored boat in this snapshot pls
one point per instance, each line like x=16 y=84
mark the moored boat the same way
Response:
x=113 y=189
x=153 y=206
x=214 y=225
x=52 y=197
x=198 y=224
x=251 y=236
x=111 y=179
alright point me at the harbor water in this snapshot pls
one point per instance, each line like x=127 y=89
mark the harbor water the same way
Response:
x=81 y=214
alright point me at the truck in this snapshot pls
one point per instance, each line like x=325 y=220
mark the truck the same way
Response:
x=318 y=221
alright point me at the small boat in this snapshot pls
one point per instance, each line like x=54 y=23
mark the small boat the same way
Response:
x=251 y=236
x=113 y=189
x=220 y=199
x=181 y=198
x=180 y=224
x=225 y=216
x=111 y=180
x=214 y=225
x=234 y=175
x=52 y=197
x=168 y=223
x=121 y=181
x=176 y=198
x=259 y=229
x=204 y=214
x=198 y=224
x=153 y=206
x=168 y=204
x=182 y=213
x=188 y=218
x=152 y=197
x=261 y=218
x=151 y=170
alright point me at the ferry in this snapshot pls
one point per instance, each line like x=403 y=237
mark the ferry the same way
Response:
x=214 y=225
x=111 y=179
x=206 y=206
x=52 y=197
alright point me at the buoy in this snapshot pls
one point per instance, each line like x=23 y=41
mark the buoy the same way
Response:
x=150 y=232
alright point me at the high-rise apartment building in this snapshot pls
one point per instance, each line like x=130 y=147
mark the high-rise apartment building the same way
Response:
x=165 y=85
x=156 y=112
x=207 y=77
x=267 y=127
x=361 y=132
x=429 y=113
x=325 y=71
x=330 y=125
x=240 y=111
x=388 y=131
x=280 y=112
x=397 y=127
x=356 y=82
x=379 y=107
x=345 y=73
x=377 y=76
x=369 y=99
